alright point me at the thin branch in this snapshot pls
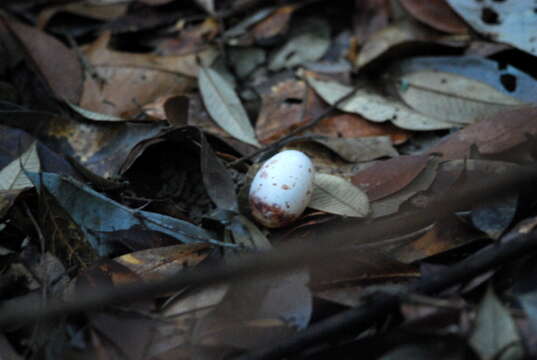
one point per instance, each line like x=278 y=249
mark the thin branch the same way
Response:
x=330 y=249
x=362 y=317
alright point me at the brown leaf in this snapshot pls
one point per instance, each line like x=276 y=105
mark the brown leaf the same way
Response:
x=127 y=89
x=437 y=14
x=57 y=65
x=355 y=126
x=492 y=135
x=158 y=263
x=446 y=234
x=287 y=105
x=99 y=54
x=384 y=178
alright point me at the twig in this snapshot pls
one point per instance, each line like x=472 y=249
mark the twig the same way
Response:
x=290 y=137
x=295 y=256
x=360 y=318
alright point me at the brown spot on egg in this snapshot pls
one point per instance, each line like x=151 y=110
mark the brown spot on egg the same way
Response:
x=270 y=215
x=274 y=184
x=264 y=175
x=285 y=187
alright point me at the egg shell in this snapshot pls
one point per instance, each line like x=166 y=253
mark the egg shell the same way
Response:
x=282 y=188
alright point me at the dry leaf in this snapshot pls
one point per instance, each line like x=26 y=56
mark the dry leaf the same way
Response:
x=335 y=195
x=225 y=106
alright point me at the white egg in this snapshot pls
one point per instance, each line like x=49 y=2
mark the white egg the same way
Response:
x=282 y=188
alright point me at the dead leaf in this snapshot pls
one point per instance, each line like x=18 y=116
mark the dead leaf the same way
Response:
x=308 y=41
x=385 y=178
x=355 y=126
x=127 y=89
x=160 y=263
x=495 y=334
x=359 y=149
x=492 y=135
x=450 y=97
x=400 y=34
x=510 y=22
x=100 y=55
x=225 y=106
x=374 y=106
x=276 y=24
x=437 y=14
x=64 y=74
x=13 y=176
x=335 y=195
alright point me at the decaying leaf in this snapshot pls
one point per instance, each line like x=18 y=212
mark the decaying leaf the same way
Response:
x=338 y=196
x=511 y=22
x=225 y=106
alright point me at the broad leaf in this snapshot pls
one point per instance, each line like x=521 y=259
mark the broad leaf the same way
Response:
x=13 y=176
x=376 y=107
x=224 y=106
x=338 y=196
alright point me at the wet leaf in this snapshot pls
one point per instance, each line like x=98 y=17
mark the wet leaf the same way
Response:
x=13 y=176
x=217 y=179
x=338 y=196
x=98 y=215
x=437 y=14
x=511 y=22
x=224 y=106
x=376 y=107
x=308 y=41
x=495 y=333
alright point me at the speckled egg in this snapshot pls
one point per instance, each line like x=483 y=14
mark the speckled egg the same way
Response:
x=282 y=188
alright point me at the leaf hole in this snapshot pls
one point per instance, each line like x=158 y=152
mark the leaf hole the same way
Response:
x=509 y=82
x=292 y=101
x=489 y=16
